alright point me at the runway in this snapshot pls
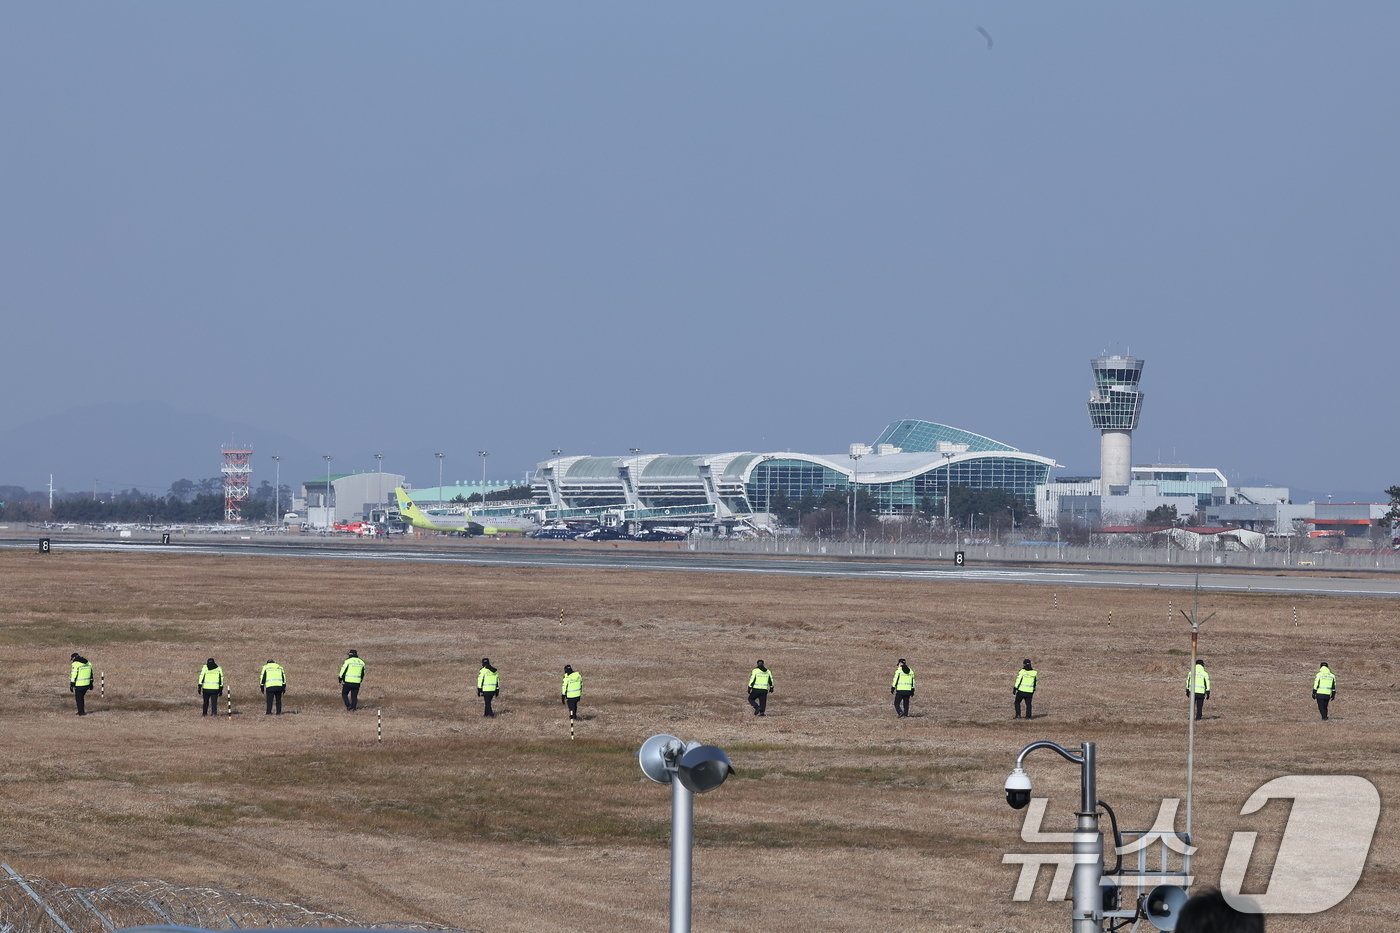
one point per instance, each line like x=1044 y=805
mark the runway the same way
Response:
x=591 y=557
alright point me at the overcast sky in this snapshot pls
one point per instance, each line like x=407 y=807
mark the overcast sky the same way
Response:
x=700 y=227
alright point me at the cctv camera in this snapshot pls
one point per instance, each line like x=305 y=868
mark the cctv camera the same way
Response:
x=1018 y=789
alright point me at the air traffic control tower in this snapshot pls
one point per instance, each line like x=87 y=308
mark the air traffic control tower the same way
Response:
x=1114 y=408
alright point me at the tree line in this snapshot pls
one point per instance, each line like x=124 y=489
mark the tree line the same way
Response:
x=198 y=501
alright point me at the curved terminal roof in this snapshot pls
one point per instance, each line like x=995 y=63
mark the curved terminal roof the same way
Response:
x=891 y=468
x=727 y=484
x=669 y=466
x=914 y=435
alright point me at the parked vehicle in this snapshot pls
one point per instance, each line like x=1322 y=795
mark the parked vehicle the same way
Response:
x=655 y=534
x=602 y=533
x=556 y=534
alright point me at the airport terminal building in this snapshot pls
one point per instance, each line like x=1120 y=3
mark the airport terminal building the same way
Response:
x=911 y=464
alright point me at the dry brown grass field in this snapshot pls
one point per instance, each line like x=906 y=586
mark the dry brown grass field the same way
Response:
x=841 y=817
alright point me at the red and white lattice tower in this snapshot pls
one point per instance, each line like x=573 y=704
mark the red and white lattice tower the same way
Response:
x=237 y=469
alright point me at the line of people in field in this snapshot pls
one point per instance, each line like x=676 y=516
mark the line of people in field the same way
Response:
x=272 y=683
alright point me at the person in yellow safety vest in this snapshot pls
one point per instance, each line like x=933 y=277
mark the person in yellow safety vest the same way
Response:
x=273 y=683
x=488 y=684
x=211 y=685
x=570 y=690
x=760 y=685
x=352 y=674
x=80 y=681
x=902 y=687
x=1198 y=685
x=1324 y=688
x=1024 y=687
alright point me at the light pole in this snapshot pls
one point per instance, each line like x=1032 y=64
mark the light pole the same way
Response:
x=330 y=518
x=379 y=483
x=439 y=460
x=483 y=454
x=556 y=451
x=947 y=487
x=1087 y=898
x=277 y=492
x=690 y=768
x=855 y=481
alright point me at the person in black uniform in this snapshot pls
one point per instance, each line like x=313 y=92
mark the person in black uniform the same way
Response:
x=80 y=681
x=211 y=686
x=488 y=685
x=760 y=685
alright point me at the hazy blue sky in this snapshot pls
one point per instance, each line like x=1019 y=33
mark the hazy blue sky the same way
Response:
x=702 y=227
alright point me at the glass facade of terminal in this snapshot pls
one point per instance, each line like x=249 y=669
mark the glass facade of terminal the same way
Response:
x=799 y=478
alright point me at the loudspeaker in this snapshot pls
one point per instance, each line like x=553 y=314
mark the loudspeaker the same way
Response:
x=1163 y=904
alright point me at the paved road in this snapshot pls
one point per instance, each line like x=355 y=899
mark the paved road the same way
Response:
x=597 y=557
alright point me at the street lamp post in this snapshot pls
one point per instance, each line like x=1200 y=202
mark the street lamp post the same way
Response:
x=855 y=482
x=330 y=518
x=439 y=460
x=947 y=487
x=483 y=454
x=379 y=483
x=277 y=493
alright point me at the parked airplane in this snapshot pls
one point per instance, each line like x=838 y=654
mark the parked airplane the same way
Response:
x=458 y=524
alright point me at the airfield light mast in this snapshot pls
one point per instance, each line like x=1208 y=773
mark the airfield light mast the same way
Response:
x=237 y=469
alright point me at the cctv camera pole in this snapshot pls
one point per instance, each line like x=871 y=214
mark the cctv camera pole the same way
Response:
x=1086 y=893
x=682 y=843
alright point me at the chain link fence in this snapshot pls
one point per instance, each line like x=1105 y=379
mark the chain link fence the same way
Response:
x=36 y=905
x=1385 y=560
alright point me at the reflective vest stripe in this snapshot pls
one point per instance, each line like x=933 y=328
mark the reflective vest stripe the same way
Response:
x=81 y=675
x=211 y=679
x=1025 y=680
x=353 y=670
x=487 y=680
x=903 y=681
x=761 y=680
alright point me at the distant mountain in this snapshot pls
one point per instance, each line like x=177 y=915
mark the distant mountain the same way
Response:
x=141 y=445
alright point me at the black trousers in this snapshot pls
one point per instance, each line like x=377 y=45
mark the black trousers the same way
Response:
x=488 y=696
x=78 y=693
x=274 y=694
x=901 y=702
x=1024 y=696
x=1200 y=704
x=572 y=704
x=758 y=699
x=1322 y=700
x=211 y=702
x=350 y=694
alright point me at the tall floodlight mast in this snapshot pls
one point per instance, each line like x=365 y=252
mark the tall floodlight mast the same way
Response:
x=1114 y=408
x=237 y=469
